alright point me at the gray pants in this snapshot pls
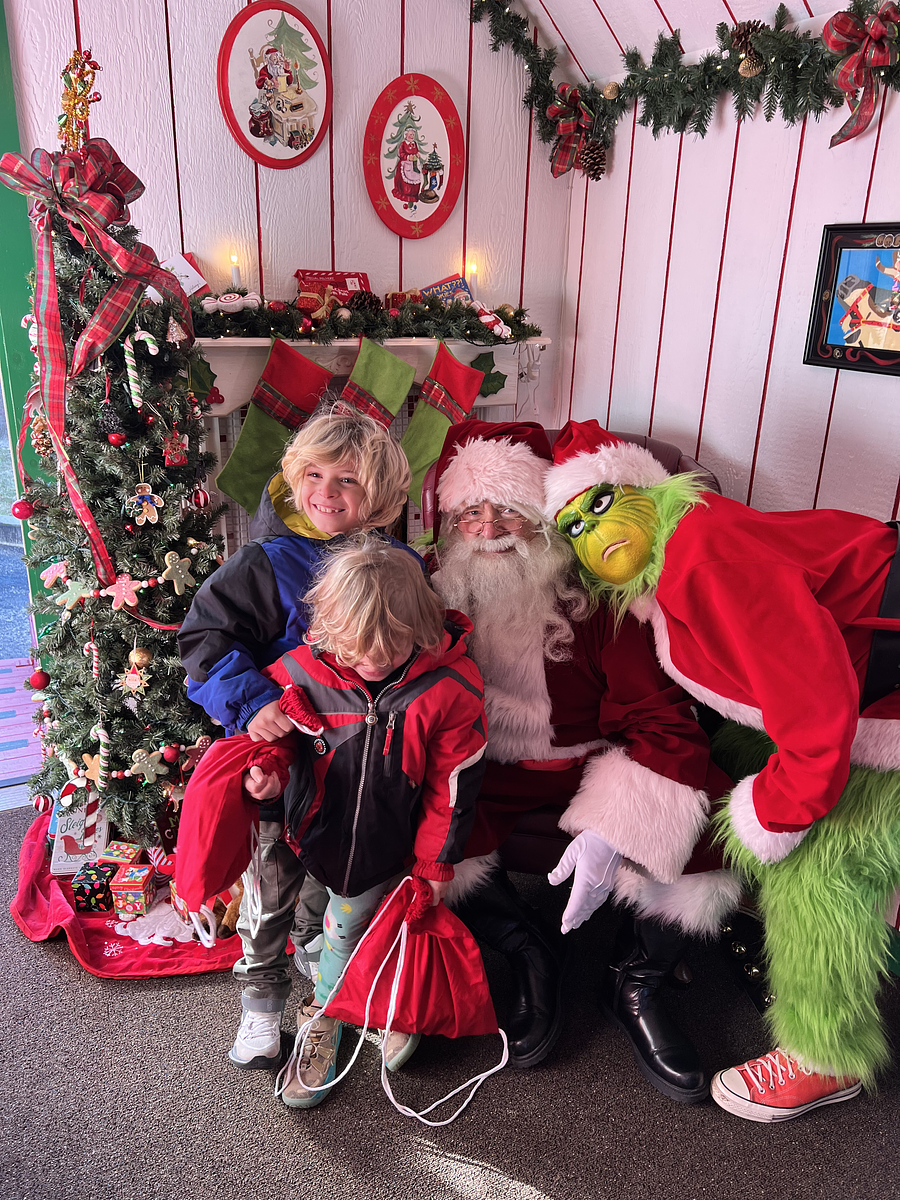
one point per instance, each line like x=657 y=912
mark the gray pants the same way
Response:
x=265 y=969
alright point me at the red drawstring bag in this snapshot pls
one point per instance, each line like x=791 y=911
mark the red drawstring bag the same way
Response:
x=442 y=987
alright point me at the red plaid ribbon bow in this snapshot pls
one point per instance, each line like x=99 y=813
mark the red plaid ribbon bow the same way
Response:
x=91 y=189
x=573 y=122
x=871 y=44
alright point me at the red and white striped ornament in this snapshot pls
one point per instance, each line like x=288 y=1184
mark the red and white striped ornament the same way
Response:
x=42 y=802
x=92 y=650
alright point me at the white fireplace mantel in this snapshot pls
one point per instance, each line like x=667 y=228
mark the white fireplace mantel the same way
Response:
x=239 y=362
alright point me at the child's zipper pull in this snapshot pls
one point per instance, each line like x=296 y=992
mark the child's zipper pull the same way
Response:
x=371 y=718
x=392 y=717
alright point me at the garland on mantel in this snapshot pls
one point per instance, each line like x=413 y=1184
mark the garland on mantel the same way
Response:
x=787 y=73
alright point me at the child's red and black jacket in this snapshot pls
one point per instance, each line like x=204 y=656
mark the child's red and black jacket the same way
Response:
x=396 y=770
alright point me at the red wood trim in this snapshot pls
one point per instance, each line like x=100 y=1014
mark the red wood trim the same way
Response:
x=787 y=242
x=174 y=129
x=874 y=156
x=587 y=184
x=77 y=18
x=728 y=10
x=715 y=315
x=402 y=36
x=668 y=23
x=563 y=40
x=527 y=190
x=465 y=228
x=612 y=366
x=815 y=502
x=665 y=294
x=896 y=503
x=259 y=245
x=330 y=144
x=609 y=27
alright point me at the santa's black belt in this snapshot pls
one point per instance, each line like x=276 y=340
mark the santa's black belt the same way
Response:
x=883 y=672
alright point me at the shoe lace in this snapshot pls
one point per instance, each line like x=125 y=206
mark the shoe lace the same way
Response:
x=774 y=1064
x=258 y=1025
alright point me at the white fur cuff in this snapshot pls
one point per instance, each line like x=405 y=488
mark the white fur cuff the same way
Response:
x=696 y=904
x=469 y=876
x=647 y=817
x=768 y=847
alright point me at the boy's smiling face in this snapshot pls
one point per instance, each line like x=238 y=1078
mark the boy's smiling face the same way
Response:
x=332 y=496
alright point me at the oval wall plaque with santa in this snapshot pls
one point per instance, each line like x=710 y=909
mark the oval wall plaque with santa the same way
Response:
x=274 y=81
x=413 y=155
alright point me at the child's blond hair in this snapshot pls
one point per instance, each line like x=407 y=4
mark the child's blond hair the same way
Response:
x=373 y=599
x=345 y=435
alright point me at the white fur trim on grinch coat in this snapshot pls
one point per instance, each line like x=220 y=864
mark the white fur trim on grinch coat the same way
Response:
x=648 y=818
x=696 y=904
x=768 y=847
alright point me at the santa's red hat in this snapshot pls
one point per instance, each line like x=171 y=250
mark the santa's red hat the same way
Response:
x=585 y=454
x=503 y=463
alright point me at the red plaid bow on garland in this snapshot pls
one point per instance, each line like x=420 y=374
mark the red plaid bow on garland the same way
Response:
x=872 y=44
x=573 y=123
x=91 y=189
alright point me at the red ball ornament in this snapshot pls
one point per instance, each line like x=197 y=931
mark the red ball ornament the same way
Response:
x=129 y=529
x=394 y=312
x=152 y=582
x=42 y=802
x=215 y=396
x=116 y=439
x=39 y=680
x=170 y=754
x=200 y=498
x=22 y=510
x=305 y=325
x=151 y=420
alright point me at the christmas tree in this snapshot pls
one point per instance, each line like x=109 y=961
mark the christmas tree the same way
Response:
x=406 y=120
x=292 y=45
x=120 y=528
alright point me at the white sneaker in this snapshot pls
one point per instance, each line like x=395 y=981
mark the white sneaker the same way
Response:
x=258 y=1042
x=306 y=958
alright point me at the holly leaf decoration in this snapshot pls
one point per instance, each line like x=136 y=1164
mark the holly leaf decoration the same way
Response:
x=494 y=381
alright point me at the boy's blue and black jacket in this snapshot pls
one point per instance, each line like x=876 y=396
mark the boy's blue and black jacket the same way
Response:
x=247 y=615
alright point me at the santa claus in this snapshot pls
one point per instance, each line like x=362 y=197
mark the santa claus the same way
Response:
x=580 y=716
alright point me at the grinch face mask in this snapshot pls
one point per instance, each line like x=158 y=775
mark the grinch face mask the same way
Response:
x=612 y=530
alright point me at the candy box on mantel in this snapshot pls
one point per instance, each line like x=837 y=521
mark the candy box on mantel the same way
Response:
x=91 y=886
x=133 y=890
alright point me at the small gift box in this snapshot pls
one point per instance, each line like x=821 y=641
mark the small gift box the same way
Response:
x=178 y=904
x=91 y=886
x=133 y=890
x=120 y=852
x=395 y=299
x=319 y=291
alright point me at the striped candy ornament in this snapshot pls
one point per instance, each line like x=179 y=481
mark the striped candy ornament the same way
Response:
x=134 y=380
x=93 y=650
x=42 y=802
x=102 y=737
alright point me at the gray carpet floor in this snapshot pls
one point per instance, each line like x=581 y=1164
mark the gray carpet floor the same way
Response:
x=121 y=1090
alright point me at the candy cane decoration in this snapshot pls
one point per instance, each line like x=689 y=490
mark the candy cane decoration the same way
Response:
x=91 y=648
x=102 y=737
x=134 y=381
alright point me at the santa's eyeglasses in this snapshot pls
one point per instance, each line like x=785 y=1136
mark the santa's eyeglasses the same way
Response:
x=509 y=521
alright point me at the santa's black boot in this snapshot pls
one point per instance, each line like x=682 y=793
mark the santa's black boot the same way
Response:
x=498 y=916
x=646 y=951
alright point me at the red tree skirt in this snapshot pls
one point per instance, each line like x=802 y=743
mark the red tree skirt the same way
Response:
x=42 y=910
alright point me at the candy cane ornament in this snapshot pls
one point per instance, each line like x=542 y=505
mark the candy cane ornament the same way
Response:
x=134 y=381
x=102 y=737
x=93 y=650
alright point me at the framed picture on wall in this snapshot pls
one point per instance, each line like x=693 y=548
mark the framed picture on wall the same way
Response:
x=413 y=156
x=274 y=82
x=855 y=319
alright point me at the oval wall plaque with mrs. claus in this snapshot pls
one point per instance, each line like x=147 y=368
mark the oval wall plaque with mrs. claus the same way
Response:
x=413 y=155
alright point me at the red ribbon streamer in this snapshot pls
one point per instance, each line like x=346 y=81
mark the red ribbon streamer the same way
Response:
x=573 y=122
x=871 y=44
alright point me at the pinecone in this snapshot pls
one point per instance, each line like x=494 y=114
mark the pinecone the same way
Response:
x=592 y=159
x=741 y=34
x=362 y=301
x=751 y=65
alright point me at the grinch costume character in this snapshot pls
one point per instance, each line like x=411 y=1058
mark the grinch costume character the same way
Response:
x=782 y=623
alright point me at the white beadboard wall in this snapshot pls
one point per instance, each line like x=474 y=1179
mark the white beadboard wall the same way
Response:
x=203 y=194
x=676 y=290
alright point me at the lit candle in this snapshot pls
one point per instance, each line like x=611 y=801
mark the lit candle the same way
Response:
x=473 y=279
x=235 y=272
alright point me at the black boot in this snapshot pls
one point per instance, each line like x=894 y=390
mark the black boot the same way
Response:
x=646 y=952
x=498 y=916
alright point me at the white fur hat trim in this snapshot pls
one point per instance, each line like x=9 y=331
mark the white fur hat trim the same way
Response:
x=625 y=463
x=497 y=470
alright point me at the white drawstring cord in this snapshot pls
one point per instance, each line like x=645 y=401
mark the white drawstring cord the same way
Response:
x=206 y=933
x=303 y=1032
x=252 y=889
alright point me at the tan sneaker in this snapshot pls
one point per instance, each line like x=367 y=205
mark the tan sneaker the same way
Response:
x=312 y=1065
x=399 y=1048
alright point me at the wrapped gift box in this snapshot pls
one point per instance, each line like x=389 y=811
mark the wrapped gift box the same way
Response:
x=91 y=887
x=178 y=904
x=133 y=890
x=319 y=291
x=120 y=852
x=395 y=299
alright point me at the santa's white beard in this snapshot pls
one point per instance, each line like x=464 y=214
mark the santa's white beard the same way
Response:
x=509 y=589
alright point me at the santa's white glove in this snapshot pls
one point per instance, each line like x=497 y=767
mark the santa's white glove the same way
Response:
x=594 y=862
